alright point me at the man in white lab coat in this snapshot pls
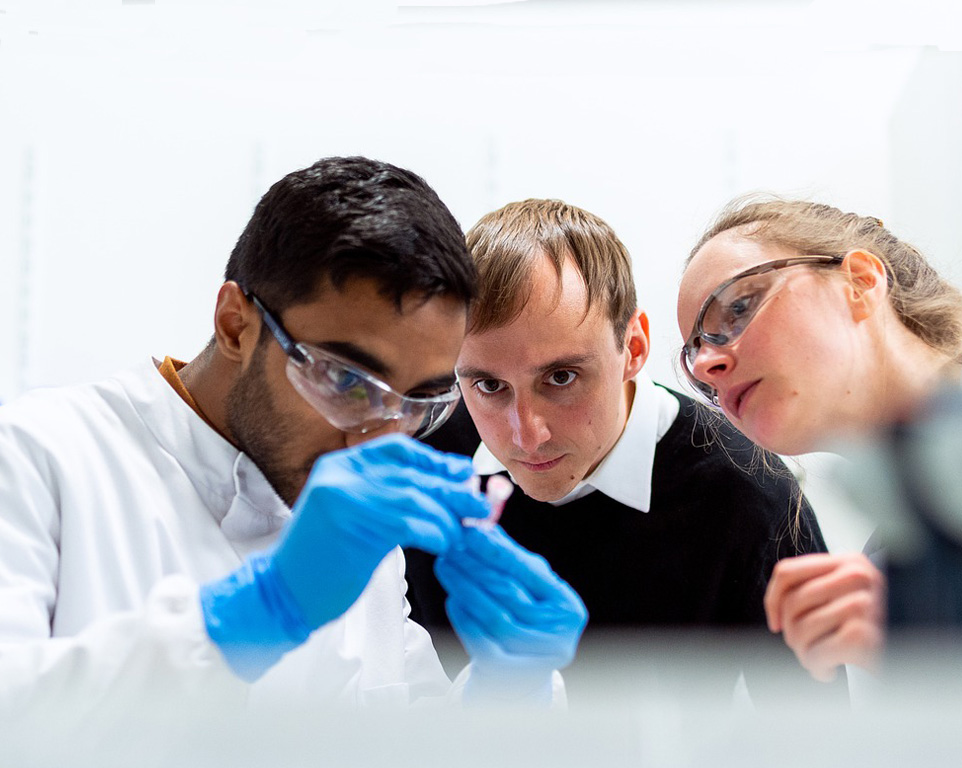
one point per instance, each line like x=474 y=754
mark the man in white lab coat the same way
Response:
x=148 y=546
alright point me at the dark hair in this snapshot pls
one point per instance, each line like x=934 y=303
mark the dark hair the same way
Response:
x=350 y=217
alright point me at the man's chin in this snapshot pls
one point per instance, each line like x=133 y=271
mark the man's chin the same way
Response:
x=542 y=491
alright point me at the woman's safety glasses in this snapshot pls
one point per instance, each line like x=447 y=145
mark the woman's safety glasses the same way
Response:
x=351 y=399
x=729 y=309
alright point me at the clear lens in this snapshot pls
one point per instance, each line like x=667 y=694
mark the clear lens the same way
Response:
x=436 y=415
x=728 y=314
x=728 y=311
x=707 y=393
x=354 y=401
x=723 y=319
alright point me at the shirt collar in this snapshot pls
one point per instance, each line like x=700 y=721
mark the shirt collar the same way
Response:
x=232 y=487
x=625 y=473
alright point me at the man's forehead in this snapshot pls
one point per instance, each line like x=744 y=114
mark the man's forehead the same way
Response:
x=513 y=349
x=358 y=322
x=545 y=278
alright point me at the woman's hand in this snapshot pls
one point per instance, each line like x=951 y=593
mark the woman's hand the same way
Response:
x=830 y=609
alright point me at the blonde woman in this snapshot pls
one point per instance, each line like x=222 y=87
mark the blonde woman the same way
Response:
x=804 y=324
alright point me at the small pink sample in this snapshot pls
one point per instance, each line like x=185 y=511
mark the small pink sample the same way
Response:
x=498 y=490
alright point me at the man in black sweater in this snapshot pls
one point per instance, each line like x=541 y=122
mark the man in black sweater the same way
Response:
x=659 y=515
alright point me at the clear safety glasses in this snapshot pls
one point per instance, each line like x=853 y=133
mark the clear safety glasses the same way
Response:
x=351 y=399
x=729 y=309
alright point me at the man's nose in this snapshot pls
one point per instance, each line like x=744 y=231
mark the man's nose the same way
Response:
x=528 y=426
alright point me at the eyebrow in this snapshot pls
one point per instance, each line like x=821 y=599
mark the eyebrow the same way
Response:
x=570 y=361
x=356 y=354
x=378 y=367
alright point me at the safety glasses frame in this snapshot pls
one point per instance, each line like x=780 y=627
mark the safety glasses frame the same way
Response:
x=302 y=358
x=689 y=350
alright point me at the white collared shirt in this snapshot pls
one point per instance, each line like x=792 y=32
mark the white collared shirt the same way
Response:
x=625 y=473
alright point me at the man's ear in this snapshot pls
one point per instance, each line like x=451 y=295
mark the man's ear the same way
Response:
x=637 y=343
x=868 y=287
x=236 y=322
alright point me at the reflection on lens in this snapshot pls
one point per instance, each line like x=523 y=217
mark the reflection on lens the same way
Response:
x=354 y=403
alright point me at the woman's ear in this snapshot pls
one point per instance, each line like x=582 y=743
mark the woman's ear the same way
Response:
x=868 y=286
x=234 y=318
x=637 y=343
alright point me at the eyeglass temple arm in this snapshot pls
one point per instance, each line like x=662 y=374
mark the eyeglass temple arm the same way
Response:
x=283 y=337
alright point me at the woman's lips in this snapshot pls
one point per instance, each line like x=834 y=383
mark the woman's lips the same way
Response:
x=541 y=466
x=735 y=398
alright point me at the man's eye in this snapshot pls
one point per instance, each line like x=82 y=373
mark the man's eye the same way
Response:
x=561 y=378
x=345 y=381
x=488 y=386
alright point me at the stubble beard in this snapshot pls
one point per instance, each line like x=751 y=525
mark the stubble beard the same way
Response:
x=261 y=430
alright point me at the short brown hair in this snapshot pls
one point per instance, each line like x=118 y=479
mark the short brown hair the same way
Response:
x=928 y=305
x=507 y=243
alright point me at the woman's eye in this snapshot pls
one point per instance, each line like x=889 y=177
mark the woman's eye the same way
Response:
x=739 y=311
x=741 y=305
x=489 y=386
x=561 y=378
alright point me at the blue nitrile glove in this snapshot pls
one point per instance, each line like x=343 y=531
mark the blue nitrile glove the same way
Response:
x=516 y=617
x=357 y=505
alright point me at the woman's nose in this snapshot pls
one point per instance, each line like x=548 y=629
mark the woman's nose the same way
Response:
x=711 y=362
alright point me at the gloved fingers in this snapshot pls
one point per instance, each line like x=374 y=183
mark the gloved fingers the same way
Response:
x=463 y=583
x=404 y=451
x=387 y=498
x=384 y=471
x=384 y=532
x=493 y=549
x=474 y=617
x=471 y=582
x=473 y=635
x=497 y=550
x=406 y=517
x=507 y=613
x=455 y=495
x=456 y=568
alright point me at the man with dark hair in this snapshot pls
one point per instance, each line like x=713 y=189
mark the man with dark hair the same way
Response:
x=654 y=517
x=174 y=528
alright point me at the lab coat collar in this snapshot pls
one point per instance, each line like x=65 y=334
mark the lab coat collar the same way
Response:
x=231 y=485
x=625 y=473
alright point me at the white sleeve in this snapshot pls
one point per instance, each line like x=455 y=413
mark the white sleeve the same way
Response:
x=425 y=676
x=29 y=544
x=156 y=657
x=116 y=661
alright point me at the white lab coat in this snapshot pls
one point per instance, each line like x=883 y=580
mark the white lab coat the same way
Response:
x=116 y=501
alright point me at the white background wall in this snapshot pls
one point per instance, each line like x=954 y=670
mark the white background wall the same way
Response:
x=137 y=136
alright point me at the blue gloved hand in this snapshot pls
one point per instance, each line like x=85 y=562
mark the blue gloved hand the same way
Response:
x=516 y=617
x=357 y=505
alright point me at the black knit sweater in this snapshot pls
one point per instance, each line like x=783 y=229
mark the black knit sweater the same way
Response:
x=701 y=556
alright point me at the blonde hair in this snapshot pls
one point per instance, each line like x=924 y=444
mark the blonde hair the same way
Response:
x=925 y=303
x=929 y=306
x=507 y=244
